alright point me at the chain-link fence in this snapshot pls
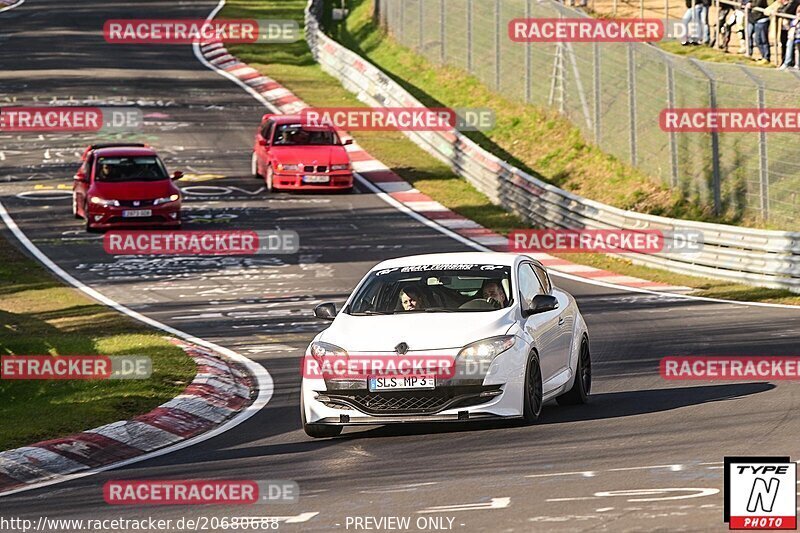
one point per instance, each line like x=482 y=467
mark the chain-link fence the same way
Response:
x=614 y=93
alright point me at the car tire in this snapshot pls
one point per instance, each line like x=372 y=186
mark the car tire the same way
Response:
x=532 y=397
x=268 y=178
x=582 y=385
x=254 y=167
x=317 y=431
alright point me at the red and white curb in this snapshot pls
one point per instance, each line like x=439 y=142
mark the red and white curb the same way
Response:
x=220 y=389
x=384 y=180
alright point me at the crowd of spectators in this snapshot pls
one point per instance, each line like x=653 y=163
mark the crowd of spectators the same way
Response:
x=751 y=20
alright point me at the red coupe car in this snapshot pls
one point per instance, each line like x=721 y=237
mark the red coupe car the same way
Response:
x=290 y=155
x=125 y=185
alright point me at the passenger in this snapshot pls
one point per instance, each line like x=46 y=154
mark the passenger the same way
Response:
x=411 y=299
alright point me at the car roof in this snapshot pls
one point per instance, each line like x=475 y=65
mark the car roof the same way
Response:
x=478 y=258
x=124 y=151
x=297 y=119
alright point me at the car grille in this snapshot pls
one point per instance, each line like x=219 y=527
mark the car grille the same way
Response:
x=132 y=203
x=312 y=168
x=410 y=402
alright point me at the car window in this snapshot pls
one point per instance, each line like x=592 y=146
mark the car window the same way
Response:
x=299 y=135
x=266 y=129
x=121 y=169
x=544 y=278
x=434 y=288
x=529 y=285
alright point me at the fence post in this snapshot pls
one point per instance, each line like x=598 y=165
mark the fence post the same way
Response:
x=673 y=136
x=596 y=87
x=528 y=50
x=763 y=168
x=666 y=16
x=632 y=101
x=497 y=45
x=442 y=25
x=469 y=36
x=420 y=24
x=716 y=179
x=402 y=24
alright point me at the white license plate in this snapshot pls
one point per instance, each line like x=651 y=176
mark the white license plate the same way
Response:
x=137 y=213
x=316 y=179
x=401 y=383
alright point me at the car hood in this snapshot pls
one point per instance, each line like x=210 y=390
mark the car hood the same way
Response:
x=310 y=155
x=421 y=331
x=134 y=190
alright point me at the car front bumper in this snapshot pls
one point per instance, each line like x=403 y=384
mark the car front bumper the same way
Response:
x=294 y=181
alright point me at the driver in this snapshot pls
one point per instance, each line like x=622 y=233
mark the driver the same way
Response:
x=494 y=293
x=411 y=299
x=105 y=170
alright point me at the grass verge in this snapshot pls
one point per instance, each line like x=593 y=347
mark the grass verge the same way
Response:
x=293 y=66
x=41 y=316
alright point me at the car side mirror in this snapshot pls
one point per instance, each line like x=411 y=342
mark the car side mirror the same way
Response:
x=177 y=175
x=347 y=142
x=262 y=141
x=81 y=177
x=541 y=303
x=326 y=311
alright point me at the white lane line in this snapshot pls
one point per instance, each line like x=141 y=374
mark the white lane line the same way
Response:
x=199 y=55
x=495 y=503
x=673 y=468
x=603 y=509
x=12 y=6
x=264 y=382
x=587 y=473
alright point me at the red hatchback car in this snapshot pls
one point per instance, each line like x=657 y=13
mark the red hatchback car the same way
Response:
x=125 y=185
x=288 y=154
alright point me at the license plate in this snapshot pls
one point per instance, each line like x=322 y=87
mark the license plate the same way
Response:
x=137 y=213
x=316 y=179
x=401 y=383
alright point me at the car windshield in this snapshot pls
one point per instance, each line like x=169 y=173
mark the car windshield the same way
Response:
x=119 y=169
x=297 y=135
x=433 y=288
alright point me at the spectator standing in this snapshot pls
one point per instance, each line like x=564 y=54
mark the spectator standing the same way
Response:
x=792 y=42
x=695 y=22
x=758 y=28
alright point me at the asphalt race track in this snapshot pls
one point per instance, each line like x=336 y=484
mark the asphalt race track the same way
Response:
x=644 y=454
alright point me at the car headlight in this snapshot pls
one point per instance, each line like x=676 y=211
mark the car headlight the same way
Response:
x=281 y=166
x=96 y=200
x=167 y=199
x=345 y=166
x=324 y=349
x=488 y=349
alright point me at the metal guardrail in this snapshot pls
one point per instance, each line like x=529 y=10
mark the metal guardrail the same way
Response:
x=757 y=257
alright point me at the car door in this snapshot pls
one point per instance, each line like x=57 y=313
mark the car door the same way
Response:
x=80 y=183
x=566 y=317
x=263 y=141
x=542 y=328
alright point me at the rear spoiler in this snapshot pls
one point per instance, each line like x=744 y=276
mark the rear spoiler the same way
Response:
x=98 y=146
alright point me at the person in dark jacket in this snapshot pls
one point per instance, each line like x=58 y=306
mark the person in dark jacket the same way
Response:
x=787 y=7
x=758 y=28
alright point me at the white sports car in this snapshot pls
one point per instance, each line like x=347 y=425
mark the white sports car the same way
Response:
x=510 y=339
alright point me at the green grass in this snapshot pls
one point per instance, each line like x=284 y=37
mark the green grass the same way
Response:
x=293 y=66
x=41 y=316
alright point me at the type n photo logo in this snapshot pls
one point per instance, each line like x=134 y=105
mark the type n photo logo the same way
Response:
x=760 y=493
